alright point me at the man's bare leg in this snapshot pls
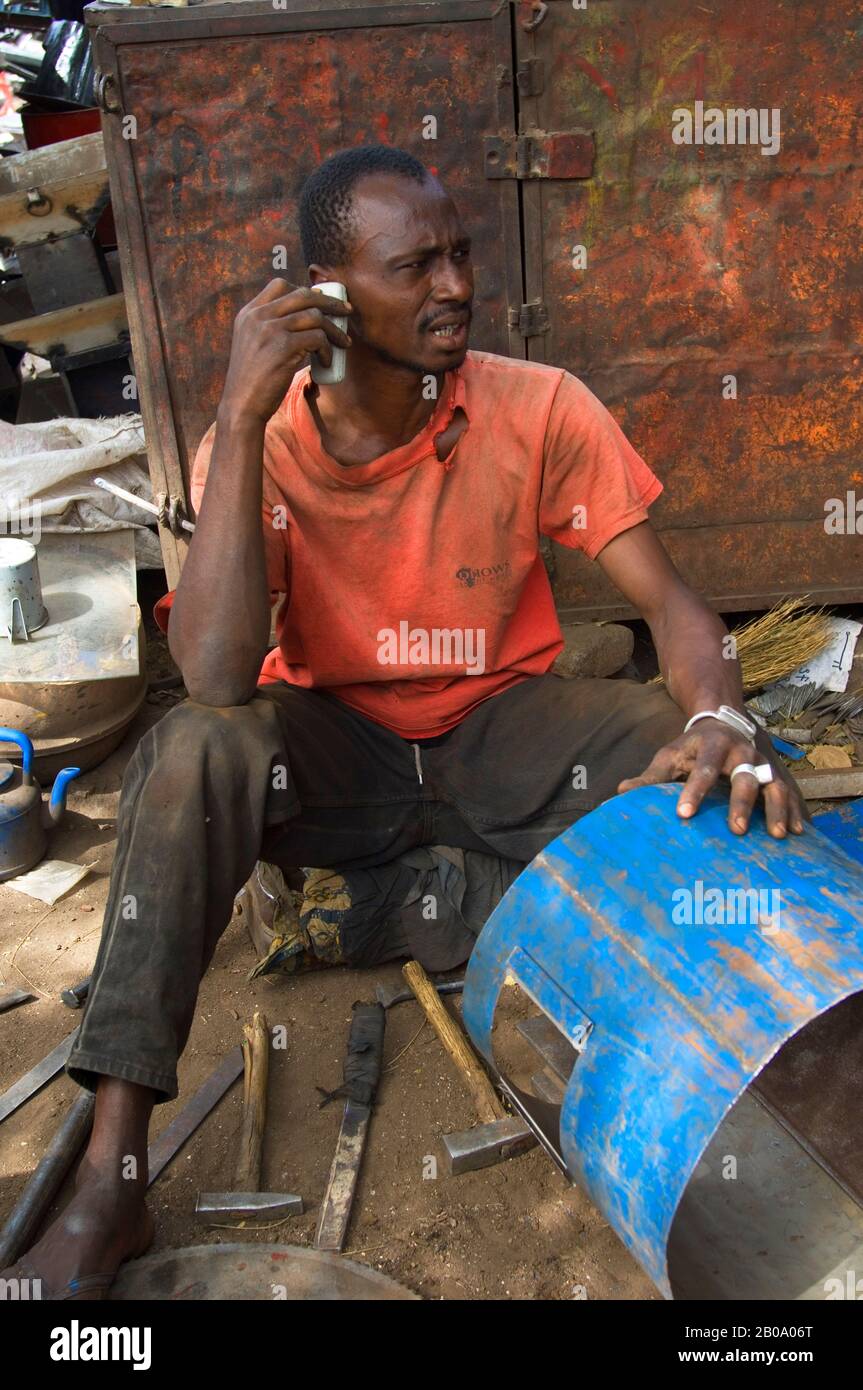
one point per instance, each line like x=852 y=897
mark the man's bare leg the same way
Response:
x=106 y=1221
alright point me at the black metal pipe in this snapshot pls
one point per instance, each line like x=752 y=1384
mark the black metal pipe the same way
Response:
x=45 y=1181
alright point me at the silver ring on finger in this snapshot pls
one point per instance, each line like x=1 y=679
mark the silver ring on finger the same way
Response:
x=763 y=773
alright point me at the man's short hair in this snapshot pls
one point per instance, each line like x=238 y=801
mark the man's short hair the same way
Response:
x=326 y=198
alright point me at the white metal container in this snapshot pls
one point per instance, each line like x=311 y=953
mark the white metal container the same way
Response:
x=21 y=608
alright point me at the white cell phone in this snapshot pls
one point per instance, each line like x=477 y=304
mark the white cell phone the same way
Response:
x=332 y=375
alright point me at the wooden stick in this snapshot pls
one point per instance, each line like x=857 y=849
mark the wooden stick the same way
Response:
x=827 y=783
x=256 y=1056
x=454 y=1039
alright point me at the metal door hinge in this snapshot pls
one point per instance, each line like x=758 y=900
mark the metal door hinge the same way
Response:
x=530 y=76
x=531 y=319
x=541 y=154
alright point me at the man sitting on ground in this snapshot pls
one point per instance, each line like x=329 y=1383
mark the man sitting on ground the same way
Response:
x=409 y=702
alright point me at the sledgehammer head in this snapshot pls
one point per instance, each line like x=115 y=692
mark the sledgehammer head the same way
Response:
x=248 y=1204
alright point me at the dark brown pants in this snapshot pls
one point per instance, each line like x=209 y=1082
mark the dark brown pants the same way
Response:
x=297 y=778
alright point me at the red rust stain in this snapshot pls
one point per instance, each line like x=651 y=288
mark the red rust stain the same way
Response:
x=738 y=1024
x=728 y=1080
x=815 y=957
x=833 y=897
x=599 y=81
x=743 y=964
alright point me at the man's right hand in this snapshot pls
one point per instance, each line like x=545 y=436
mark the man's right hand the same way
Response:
x=273 y=335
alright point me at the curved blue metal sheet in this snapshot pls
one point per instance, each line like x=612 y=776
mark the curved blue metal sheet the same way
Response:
x=684 y=1014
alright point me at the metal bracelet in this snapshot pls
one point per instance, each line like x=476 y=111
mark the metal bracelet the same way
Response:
x=726 y=715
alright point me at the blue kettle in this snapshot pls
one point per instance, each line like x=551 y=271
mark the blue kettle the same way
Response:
x=24 y=818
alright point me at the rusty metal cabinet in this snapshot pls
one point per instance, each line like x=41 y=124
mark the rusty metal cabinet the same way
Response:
x=657 y=272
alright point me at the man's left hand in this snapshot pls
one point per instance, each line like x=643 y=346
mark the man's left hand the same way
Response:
x=710 y=750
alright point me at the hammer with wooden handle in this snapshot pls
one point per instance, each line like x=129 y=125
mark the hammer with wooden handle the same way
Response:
x=247 y=1199
x=498 y=1136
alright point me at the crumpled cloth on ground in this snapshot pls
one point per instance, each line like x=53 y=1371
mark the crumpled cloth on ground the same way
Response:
x=429 y=904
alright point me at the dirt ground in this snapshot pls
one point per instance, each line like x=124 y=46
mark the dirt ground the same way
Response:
x=513 y=1231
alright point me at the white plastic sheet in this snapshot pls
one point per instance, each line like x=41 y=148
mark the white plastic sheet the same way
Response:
x=50 y=880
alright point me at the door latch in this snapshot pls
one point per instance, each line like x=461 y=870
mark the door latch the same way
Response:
x=540 y=154
x=530 y=319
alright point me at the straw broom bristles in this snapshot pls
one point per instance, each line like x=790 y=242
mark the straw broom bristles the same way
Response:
x=776 y=642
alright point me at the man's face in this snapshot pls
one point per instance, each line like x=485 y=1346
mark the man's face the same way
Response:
x=409 y=274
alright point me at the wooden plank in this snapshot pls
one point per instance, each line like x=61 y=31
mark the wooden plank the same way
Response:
x=154 y=397
x=70 y=181
x=52 y=163
x=63 y=209
x=148 y=24
x=828 y=783
x=95 y=324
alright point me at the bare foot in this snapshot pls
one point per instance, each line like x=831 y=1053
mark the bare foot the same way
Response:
x=103 y=1225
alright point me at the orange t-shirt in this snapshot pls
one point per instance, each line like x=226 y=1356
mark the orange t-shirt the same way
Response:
x=414 y=589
